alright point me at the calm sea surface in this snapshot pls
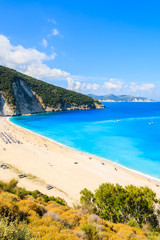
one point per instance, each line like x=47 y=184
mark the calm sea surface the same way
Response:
x=132 y=142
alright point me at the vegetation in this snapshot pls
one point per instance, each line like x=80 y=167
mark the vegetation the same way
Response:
x=120 y=205
x=22 y=192
x=52 y=96
x=24 y=217
x=14 y=230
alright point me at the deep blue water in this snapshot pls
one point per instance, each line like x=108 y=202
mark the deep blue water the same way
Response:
x=132 y=142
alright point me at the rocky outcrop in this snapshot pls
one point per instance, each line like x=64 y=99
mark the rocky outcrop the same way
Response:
x=5 y=108
x=28 y=102
x=22 y=95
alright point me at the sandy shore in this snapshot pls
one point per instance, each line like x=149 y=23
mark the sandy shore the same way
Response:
x=45 y=162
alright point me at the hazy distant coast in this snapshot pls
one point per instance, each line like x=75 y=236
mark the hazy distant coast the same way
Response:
x=120 y=98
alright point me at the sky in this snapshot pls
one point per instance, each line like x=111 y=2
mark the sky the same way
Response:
x=98 y=47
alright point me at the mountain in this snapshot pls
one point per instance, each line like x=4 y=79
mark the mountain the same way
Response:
x=120 y=98
x=21 y=94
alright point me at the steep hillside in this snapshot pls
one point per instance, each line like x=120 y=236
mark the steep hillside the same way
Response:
x=21 y=94
x=31 y=215
x=120 y=98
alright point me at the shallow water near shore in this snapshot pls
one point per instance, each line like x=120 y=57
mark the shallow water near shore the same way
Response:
x=131 y=142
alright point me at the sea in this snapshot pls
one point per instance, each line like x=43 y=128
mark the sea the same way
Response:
x=131 y=142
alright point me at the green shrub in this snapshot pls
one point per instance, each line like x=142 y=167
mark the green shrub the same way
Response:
x=13 y=231
x=22 y=192
x=118 y=204
x=87 y=197
x=11 y=186
x=46 y=198
x=133 y=223
x=90 y=231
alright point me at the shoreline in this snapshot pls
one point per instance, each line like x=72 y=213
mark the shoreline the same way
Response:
x=147 y=176
x=45 y=161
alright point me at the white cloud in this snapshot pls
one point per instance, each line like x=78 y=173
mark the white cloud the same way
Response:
x=77 y=86
x=143 y=87
x=70 y=83
x=55 y=32
x=83 y=85
x=44 y=43
x=42 y=70
x=27 y=60
x=15 y=55
x=93 y=86
x=113 y=84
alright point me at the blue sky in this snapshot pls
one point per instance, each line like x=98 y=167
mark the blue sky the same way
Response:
x=97 y=47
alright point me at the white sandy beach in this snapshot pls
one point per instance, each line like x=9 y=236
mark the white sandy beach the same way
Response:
x=45 y=162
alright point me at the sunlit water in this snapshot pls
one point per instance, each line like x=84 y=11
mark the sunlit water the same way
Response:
x=132 y=142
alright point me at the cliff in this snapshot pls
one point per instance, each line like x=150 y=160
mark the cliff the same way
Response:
x=21 y=94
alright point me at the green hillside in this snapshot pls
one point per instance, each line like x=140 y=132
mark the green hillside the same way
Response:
x=26 y=215
x=51 y=95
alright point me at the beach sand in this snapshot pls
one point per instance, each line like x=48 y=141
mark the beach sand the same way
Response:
x=46 y=162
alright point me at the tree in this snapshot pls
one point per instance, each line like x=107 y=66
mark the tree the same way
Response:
x=121 y=204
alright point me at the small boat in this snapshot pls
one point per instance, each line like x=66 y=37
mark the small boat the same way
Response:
x=117 y=121
x=152 y=122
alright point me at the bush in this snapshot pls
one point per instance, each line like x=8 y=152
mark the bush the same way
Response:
x=9 y=208
x=133 y=223
x=49 y=220
x=9 y=187
x=22 y=192
x=90 y=231
x=13 y=231
x=86 y=197
x=118 y=204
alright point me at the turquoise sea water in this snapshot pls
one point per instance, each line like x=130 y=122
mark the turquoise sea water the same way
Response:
x=132 y=142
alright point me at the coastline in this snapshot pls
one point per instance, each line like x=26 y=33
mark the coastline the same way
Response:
x=105 y=160
x=49 y=162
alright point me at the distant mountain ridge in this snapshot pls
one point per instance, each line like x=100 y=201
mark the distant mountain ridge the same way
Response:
x=120 y=98
x=21 y=95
